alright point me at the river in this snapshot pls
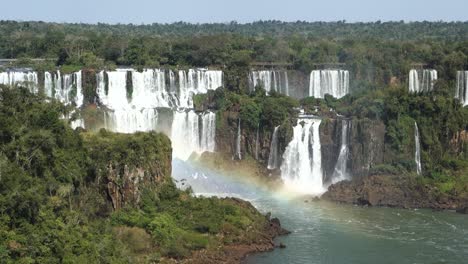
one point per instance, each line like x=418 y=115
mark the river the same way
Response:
x=324 y=232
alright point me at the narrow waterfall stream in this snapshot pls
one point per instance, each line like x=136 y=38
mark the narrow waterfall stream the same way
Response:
x=273 y=159
x=340 y=173
x=417 y=152
x=238 y=141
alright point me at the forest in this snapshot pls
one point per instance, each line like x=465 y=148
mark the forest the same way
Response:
x=373 y=52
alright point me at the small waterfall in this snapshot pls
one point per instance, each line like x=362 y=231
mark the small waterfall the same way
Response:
x=208 y=133
x=301 y=169
x=340 y=173
x=273 y=159
x=238 y=141
x=257 y=141
x=28 y=79
x=185 y=134
x=461 y=92
x=417 y=153
x=270 y=80
x=332 y=82
x=422 y=80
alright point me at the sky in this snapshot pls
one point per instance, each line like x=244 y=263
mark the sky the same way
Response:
x=242 y=11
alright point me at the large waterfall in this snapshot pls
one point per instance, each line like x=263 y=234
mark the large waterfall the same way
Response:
x=134 y=104
x=28 y=79
x=341 y=173
x=301 y=169
x=270 y=81
x=273 y=159
x=332 y=82
x=65 y=88
x=417 y=152
x=461 y=93
x=422 y=80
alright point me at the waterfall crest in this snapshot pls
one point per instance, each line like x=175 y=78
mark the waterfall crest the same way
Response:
x=301 y=169
x=66 y=88
x=341 y=168
x=28 y=79
x=270 y=81
x=273 y=159
x=422 y=80
x=461 y=93
x=332 y=82
x=417 y=152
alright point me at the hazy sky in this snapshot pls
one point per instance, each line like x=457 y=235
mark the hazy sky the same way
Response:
x=149 y=11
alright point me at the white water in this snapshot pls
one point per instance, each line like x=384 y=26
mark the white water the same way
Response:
x=190 y=132
x=341 y=168
x=270 y=81
x=273 y=159
x=332 y=82
x=208 y=133
x=66 y=88
x=238 y=141
x=27 y=79
x=301 y=169
x=422 y=80
x=461 y=92
x=417 y=152
x=257 y=142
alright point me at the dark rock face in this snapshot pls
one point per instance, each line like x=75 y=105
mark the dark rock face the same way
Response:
x=392 y=191
x=366 y=146
x=125 y=185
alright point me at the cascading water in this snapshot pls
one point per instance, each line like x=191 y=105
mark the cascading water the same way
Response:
x=270 y=81
x=340 y=173
x=273 y=159
x=27 y=79
x=461 y=93
x=422 y=80
x=257 y=143
x=65 y=88
x=301 y=169
x=238 y=141
x=197 y=81
x=208 y=133
x=332 y=82
x=192 y=133
x=417 y=152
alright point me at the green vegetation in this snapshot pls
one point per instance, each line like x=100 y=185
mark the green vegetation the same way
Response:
x=54 y=194
x=377 y=54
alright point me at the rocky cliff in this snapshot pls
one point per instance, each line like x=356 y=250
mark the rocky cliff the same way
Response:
x=126 y=165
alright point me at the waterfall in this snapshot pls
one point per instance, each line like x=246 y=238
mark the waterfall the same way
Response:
x=273 y=159
x=238 y=141
x=270 y=81
x=257 y=141
x=417 y=153
x=340 y=173
x=301 y=169
x=66 y=88
x=192 y=133
x=208 y=133
x=28 y=79
x=422 y=80
x=332 y=82
x=461 y=93
x=197 y=81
